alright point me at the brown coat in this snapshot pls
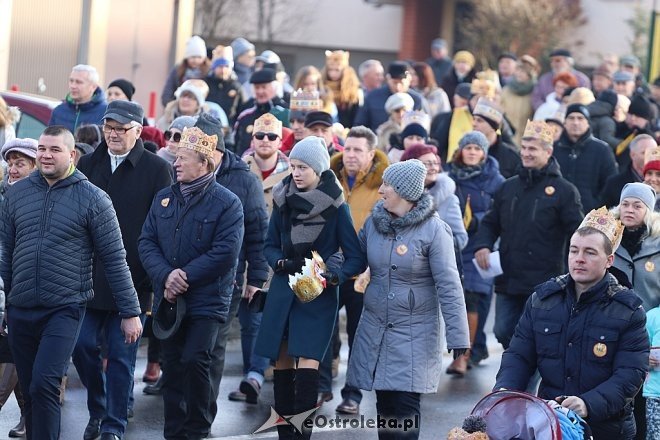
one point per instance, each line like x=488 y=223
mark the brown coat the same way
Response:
x=364 y=195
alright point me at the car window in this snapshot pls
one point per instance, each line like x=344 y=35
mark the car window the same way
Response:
x=29 y=127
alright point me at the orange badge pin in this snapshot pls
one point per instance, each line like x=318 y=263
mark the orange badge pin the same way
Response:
x=649 y=266
x=249 y=128
x=600 y=350
x=402 y=249
x=165 y=202
x=231 y=93
x=550 y=190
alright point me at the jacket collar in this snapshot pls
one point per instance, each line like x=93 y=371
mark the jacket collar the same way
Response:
x=530 y=176
x=101 y=153
x=372 y=179
x=386 y=224
x=39 y=180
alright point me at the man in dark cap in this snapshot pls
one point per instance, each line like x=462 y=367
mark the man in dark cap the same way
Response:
x=439 y=61
x=320 y=124
x=638 y=121
x=561 y=60
x=506 y=66
x=372 y=114
x=131 y=176
x=264 y=90
x=460 y=117
x=584 y=161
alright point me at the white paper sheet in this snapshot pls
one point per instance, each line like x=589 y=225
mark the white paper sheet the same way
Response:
x=495 y=268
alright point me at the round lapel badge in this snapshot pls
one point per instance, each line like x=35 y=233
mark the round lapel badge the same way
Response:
x=165 y=202
x=600 y=350
x=231 y=93
x=550 y=190
x=402 y=249
x=649 y=266
x=249 y=128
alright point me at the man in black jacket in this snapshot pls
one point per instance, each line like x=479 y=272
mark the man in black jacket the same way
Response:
x=234 y=174
x=611 y=193
x=533 y=214
x=584 y=161
x=54 y=223
x=132 y=177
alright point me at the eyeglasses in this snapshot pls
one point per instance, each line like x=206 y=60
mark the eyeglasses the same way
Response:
x=431 y=164
x=175 y=137
x=260 y=136
x=107 y=129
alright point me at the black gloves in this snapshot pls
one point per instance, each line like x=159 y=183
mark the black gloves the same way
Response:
x=290 y=265
x=458 y=352
x=331 y=277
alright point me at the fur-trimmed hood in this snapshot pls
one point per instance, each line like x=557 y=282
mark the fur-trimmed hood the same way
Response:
x=372 y=179
x=386 y=224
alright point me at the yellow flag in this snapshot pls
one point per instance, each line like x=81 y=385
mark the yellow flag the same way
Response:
x=461 y=123
x=624 y=144
x=467 y=216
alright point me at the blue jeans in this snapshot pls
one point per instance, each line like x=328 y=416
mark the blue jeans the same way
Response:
x=508 y=310
x=253 y=364
x=42 y=340
x=108 y=392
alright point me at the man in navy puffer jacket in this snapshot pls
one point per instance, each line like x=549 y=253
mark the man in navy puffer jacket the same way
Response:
x=52 y=223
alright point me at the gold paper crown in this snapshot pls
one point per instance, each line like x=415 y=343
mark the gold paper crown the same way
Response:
x=305 y=101
x=652 y=155
x=539 y=130
x=309 y=284
x=416 y=117
x=489 y=109
x=603 y=220
x=337 y=57
x=195 y=139
x=268 y=123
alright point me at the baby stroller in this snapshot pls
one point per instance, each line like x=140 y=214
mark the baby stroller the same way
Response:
x=518 y=415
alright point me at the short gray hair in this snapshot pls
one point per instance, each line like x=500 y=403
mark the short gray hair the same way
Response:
x=368 y=64
x=360 y=131
x=638 y=139
x=92 y=73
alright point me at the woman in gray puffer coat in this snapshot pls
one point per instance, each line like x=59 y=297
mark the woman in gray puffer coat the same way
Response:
x=410 y=253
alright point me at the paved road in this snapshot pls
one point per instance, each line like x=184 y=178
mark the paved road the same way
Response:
x=440 y=412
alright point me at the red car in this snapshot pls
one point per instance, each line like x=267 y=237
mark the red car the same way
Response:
x=35 y=112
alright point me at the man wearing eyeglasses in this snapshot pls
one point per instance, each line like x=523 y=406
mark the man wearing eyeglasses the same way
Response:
x=131 y=176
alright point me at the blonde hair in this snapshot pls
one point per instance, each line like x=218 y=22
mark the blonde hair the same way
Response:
x=6 y=116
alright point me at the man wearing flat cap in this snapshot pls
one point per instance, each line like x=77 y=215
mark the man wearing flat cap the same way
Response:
x=372 y=114
x=561 y=60
x=584 y=161
x=131 y=176
x=189 y=246
x=264 y=90
x=55 y=225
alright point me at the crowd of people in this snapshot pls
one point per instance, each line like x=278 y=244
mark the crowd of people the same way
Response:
x=410 y=182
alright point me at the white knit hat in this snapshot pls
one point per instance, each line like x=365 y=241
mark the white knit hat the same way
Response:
x=195 y=47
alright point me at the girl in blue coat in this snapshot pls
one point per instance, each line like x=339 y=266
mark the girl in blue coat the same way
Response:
x=309 y=213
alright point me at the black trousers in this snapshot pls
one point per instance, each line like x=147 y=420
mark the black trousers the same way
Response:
x=401 y=408
x=187 y=391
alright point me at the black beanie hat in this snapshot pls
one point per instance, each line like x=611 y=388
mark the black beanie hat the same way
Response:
x=211 y=126
x=125 y=85
x=640 y=106
x=608 y=96
x=578 y=108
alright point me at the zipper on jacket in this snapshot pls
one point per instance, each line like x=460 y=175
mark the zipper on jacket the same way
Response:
x=536 y=204
x=44 y=216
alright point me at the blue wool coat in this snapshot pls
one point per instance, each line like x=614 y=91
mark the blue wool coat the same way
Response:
x=310 y=325
x=596 y=349
x=203 y=238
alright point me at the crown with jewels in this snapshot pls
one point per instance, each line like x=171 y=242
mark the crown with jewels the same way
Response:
x=652 y=155
x=539 y=130
x=267 y=123
x=489 y=109
x=337 y=57
x=485 y=84
x=416 y=117
x=603 y=220
x=305 y=101
x=195 y=139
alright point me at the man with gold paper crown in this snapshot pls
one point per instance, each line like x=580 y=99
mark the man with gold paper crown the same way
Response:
x=585 y=333
x=533 y=214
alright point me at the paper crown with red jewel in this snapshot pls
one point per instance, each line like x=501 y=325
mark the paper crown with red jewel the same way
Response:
x=489 y=109
x=651 y=159
x=305 y=101
x=604 y=221
x=539 y=130
x=195 y=139
x=416 y=117
x=267 y=123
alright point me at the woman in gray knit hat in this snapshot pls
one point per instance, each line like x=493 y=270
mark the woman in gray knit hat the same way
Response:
x=309 y=214
x=414 y=278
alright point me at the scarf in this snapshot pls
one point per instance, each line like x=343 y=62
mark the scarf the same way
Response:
x=632 y=239
x=465 y=172
x=191 y=188
x=306 y=212
x=521 y=89
x=389 y=225
x=461 y=123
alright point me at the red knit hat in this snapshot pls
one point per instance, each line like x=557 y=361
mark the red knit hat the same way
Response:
x=651 y=159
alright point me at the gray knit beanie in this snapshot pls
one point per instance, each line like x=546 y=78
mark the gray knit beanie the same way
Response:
x=407 y=179
x=183 y=122
x=474 y=137
x=313 y=151
x=640 y=191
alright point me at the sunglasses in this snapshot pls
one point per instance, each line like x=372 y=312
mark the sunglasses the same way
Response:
x=271 y=136
x=175 y=137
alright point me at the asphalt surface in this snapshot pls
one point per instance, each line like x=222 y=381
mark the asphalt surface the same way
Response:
x=238 y=420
